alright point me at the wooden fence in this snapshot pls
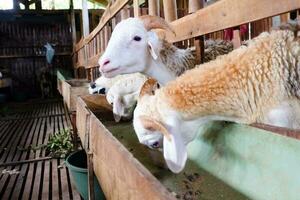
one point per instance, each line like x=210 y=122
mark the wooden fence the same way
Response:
x=210 y=21
x=22 y=51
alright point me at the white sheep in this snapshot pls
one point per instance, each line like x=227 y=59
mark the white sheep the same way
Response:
x=133 y=47
x=257 y=83
x=123 y=95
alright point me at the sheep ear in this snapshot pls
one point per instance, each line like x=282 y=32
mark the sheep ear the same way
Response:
x=149 y=87
x=152 y=51
x=118 y=108
x=175 y=152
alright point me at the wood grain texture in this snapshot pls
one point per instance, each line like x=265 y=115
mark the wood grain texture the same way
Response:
x=109 y=13
x=120 y=174
x=73 y=88
x=225 y=14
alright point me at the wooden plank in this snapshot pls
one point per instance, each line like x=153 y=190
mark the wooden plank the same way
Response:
x=46 y=178
x=119 y=173
x=93 y=61
x=136 y=8
x=153 y=7
x=125 y=13
x=82 y=121
x=72 y=89
x=38 y=172
x=31 y=168
x=7 y=181
x=21 y=180
x=85 y=18
x=225 y=14
x=195 y=5
x=109 y=13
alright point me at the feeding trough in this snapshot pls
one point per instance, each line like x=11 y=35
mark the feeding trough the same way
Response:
x=73 y=88
x=62 y=75
x=125 y=168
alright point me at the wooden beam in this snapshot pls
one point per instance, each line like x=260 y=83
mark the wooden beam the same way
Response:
x=227 y=13
x=170 y=10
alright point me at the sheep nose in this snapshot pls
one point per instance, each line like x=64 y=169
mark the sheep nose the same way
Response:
x=93 y=85
x=105 y=62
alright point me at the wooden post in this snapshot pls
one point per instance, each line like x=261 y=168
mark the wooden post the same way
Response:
x=195 y=5
x=154 y=7
x=73 y=29
x=75 y=134
x=236 y=40
x=85 y=18
x=86 y=28
x=136 y=8
x=90 y=175
x=170 y=10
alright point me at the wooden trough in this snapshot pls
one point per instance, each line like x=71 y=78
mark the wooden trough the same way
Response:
x=62 y=75
x=128 y=170
x=73 y=88
x=254 y=162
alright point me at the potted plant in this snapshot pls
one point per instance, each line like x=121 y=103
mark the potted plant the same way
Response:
x=60 y=146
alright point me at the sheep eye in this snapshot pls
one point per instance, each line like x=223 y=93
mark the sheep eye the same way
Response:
x=137 y=38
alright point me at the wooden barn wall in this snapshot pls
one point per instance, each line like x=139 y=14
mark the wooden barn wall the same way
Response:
x=22 y=51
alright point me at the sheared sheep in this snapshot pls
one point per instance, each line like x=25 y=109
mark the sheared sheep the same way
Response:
x=255 y=83
x=123 y=95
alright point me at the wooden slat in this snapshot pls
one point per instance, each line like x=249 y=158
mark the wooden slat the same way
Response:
x=136 y=8
x=120 y=174
x=125 y=13
x=170 y=10
x=227 y=13
x=35 y=179
x=93 y=61
x=108 y=14
x=153 y=7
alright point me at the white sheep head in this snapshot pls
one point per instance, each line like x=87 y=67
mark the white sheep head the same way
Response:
x=157 y=126
x=123 y=106
x=131 y=45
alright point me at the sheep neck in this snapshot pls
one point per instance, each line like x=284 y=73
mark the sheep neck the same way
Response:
x=158 y=70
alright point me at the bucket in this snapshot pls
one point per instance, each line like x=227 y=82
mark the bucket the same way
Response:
x=77 y=165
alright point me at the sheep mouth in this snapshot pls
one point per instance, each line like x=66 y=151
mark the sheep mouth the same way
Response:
x=110 y=72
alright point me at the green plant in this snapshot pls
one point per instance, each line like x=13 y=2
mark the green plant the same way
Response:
x=60 y=144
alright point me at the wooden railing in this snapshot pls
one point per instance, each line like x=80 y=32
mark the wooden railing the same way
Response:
x=189 y=29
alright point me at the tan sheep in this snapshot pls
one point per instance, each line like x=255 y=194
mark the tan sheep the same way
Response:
x=257 y=83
